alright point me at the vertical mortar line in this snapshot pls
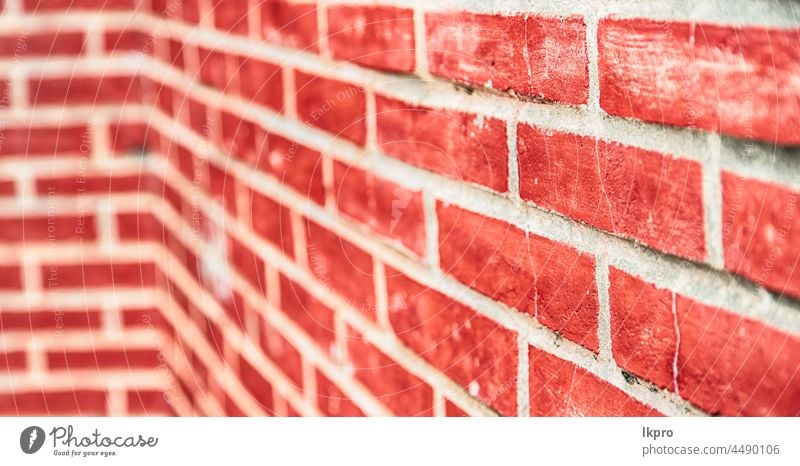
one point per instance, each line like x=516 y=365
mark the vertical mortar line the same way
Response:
x=677 y=344
x=431 y=232
x=592 y=19
x=100 y=139
x=523 y=376
x=24 y=179
x=328 y=185
x=35 y=356
x=117 y=403
x=254 y=20
x=18 y=94
x=420 y=43
x=289 y=104
x=107 y=229
x=309 y=382
x=604 y=317
x=712 y=198
x=299 y=240
x=13 y=8
x=273 y=286
x=438 y=403
x=381 y=294
x=110 y=312
x=94 y=39
x=372 y=119
x=513 y=161
x=322 y=28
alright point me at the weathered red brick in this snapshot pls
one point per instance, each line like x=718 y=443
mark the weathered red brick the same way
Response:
x=400 y=391
x=736 y=366
x=48 y=44
x=332 y=401
x=643 y=338
x=46 y=141
x=458 y=145
x=335 y=106
x=375 y=36
x=738 y=80
x=293 y=24
x=761 y=232
x=527 y=54
x=386 y=208
x=538 y=276
x=342 y=267
x=560 y=388
x=309 y=313
x=474 y=351
x=632 y=192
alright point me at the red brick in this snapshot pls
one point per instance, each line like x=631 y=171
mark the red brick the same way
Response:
x=117 y=274
x=128 y=40
x=148 y=402
x=60 y=228
x=474 y=351
x=100 y=184
x=332 y=401
x=736 y=366
x=43 y=5
x=560 y=388
x=543 y=278
x=529 y=55
x=222 y=187
x=48 y=44
x=294 y=165
x=213 y=68
x=458 y=145
x=230 y=16
x=13 y=361
x=384 y=207
x=309 y=313
x=50 y=320
x=190 y=11
x=260 y=389
x=261 y=82
x=78 y=90
x=632 y=192
x=376 y=36
x=248 y=264
x=293 y=24
x=238 y=137
x=5 y=95
x=335 y=106
x=55 y=402
x=142 y=318
x=130 y=138
x=271 y=222
x=45 y=141
x=104 y=359
x=737 y=80
x=283 y=354
x=400 y=391
x=8 y=188
x=10 y=277
x=643 y=338
x=176 y=55
x=761 y=232
x=342 y=267
x=451 y=410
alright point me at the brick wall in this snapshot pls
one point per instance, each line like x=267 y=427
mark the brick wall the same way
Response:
x=449 y=207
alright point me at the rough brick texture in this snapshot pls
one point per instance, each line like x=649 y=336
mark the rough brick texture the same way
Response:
x=368 y=208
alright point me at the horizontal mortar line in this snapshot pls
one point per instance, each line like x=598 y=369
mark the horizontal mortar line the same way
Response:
x=75 y=339
x=75 y=67
x=152 y=379
x=67 y=21
x=482 y=304
x=677 y=141
x=41 y=115
x=739 y=12
x=75 y=300
x=697 y=281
